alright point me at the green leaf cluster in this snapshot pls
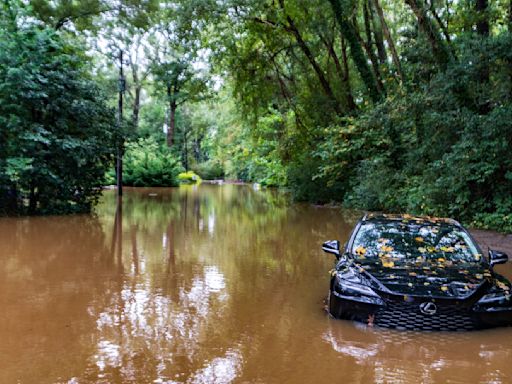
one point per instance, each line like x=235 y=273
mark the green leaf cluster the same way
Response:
x=56 y=132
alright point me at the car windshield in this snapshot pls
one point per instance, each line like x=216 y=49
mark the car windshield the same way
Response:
x=419 y=241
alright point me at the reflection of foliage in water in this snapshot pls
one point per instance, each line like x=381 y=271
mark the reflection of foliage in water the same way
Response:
x=178 y=246
x=181 y=292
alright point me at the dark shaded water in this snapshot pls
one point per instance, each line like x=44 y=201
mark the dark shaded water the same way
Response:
x=209 y=284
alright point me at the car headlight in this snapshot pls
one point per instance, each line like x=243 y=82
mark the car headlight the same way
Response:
x=495 y=298
x=348 y=284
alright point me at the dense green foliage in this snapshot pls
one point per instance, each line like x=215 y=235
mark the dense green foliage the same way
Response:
x=55 y=128
x=149 y=164
x=377 y=104
x=420 y=123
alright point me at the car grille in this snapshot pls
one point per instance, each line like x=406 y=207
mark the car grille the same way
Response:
x=407 y=316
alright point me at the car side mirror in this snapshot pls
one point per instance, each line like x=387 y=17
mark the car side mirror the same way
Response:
x=497 y=257
x=332 y=246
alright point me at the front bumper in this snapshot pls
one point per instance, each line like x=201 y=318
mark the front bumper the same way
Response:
x=399 y=313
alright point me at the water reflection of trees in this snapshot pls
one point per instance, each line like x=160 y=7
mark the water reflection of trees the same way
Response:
x=172 y=301
x=198 y=285
x=197 y=260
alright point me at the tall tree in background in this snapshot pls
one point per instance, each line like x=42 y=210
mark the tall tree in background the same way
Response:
x=349 y=32
x=439 y=47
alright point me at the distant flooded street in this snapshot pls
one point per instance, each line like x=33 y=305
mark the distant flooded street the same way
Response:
x=204 y=284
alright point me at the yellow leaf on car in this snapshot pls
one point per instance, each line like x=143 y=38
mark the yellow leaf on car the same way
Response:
x=386 y=248
x=361 y=250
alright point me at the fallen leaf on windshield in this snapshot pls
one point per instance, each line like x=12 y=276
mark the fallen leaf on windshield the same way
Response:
x=412 y=274
x=447 y=249
x=441 y=260
x=360 y=251
x=388 y=263
x=487 y=274
x=419 y=239
x=422 y=249
x=426 y=283
x=431 y=249
x=386 y=248
x=479 y=276
x=392 y=276
x=444 y=288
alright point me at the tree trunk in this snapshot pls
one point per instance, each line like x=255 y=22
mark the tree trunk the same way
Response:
x=482 y=24
x=439 y=48
x=343 y=75
x=349 y=33
x=389 y=39
x=171 y=91
x=368 y=47
x=346 y=77
x=136 y=107
x=185 y=149
x=172 y=123
x=444 y=29
x=482 y=28
x=311 y=58
x=136 y=98
x=378 y=35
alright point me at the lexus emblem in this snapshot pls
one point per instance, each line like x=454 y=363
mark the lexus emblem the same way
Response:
x=428 y=308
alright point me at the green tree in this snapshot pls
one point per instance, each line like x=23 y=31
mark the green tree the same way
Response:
x=56 y=130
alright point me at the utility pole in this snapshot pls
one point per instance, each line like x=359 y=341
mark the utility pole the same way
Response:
x=120 y=145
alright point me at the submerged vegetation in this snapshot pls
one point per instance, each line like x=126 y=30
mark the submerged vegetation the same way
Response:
x=377 y=104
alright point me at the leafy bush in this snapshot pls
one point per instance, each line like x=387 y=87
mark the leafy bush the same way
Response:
x=189 y=178
x=149 y=164
x=209 y=170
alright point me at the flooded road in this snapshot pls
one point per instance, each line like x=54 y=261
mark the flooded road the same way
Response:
x=208 y=284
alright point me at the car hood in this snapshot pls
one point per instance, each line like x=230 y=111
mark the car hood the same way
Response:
x=444 y=280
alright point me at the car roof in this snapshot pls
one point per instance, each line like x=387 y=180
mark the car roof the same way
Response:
x=378 y=216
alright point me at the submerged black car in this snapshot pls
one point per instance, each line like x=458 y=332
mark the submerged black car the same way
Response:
x=417 y=273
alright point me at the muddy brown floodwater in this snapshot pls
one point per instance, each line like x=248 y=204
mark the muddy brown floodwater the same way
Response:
x=208 y=284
